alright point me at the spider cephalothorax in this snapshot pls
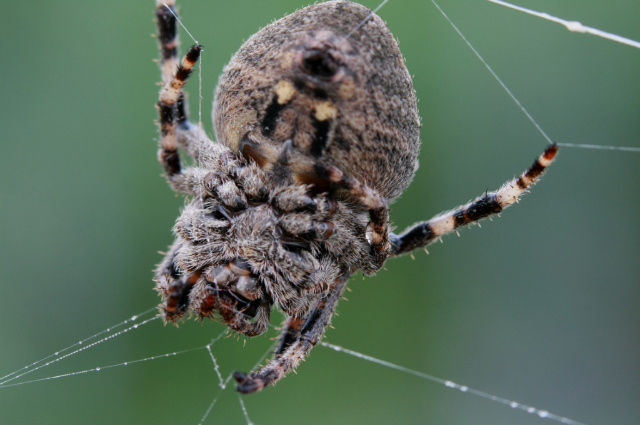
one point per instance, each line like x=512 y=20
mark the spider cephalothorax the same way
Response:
x=318 y=130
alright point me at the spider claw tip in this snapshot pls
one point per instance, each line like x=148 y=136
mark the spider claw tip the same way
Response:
x=246 y=383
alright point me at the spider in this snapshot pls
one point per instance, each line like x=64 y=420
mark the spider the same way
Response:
x=317 y=131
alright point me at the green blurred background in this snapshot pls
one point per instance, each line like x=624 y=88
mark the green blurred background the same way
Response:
x=541 y=306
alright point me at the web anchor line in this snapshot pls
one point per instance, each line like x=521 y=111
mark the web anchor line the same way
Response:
x=207 y=347
x=100 y=368
x=364 y=21
x=601 y=147
x=573 y=26
x=223 y=385
x=450 y=384
x=44 y=362
x=510 y=93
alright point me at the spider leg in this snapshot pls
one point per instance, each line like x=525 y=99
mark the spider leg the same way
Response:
x=297 y=340
x=378 y=228
x=167 y=38
x=167 y=110
x=422 y=234
x=173 y=286
x=304 y=217
x=173 y=120
x=290 y=333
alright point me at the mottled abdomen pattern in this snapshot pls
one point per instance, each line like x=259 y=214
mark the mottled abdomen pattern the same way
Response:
x=333 y=84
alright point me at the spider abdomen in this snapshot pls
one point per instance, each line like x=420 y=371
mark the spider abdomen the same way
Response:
x=325 y=84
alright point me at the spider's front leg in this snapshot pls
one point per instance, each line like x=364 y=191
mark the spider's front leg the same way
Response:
x=298 y=337
x=173 y=120
x=422 y=234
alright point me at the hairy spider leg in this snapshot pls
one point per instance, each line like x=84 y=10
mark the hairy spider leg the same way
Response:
x=378 y=227
x=170 y=96
x=422 y=234
x=167 y=39
x=298 y=338
x=173 y=287
x=290 y=333
x=171 y=103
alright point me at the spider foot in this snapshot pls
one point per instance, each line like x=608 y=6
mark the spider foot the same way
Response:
x=176 y=296
x=256 y=381
x=247 y=384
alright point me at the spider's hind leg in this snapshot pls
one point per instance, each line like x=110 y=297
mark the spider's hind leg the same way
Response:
x=422 y=234
x=298 y=337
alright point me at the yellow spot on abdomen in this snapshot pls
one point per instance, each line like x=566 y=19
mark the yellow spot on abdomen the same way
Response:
x=284 y=91
x=325 y=110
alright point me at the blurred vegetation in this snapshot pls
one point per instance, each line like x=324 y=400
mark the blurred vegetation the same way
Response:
x=541 y=306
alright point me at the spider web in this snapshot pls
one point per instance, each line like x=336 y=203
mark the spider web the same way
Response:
x=434 y=343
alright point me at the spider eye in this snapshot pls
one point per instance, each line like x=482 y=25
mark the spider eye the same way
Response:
x=319 y=63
